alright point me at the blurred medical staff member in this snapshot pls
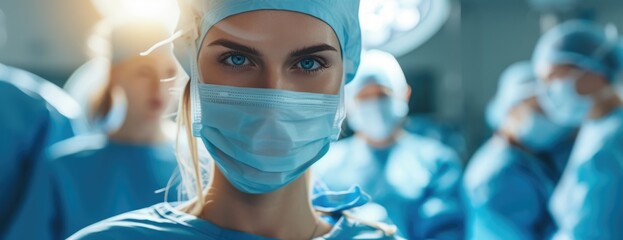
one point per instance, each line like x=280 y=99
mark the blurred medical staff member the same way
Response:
x=510 y=179
x=578 y=61
x=265 y=99
x=35 y=114
x=94 y=177
x=415 y=178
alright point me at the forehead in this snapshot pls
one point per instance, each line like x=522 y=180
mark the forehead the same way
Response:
x=273 y=28
x=373 y=89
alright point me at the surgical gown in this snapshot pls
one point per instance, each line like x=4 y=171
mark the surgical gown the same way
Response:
x=416 y=180
x=91 y=178
x=35 y=114
x=588 y=202
x=507 y=190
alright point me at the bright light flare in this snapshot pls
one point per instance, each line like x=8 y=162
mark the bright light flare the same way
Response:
x=166 y=11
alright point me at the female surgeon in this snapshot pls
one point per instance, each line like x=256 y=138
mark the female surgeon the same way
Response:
x=265 y=98
x=578 y=62
x=510 y=179
x=93 y=177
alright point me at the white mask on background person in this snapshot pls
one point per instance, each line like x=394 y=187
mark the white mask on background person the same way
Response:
x=563 y=104
x=539 y=133
x=377 y=118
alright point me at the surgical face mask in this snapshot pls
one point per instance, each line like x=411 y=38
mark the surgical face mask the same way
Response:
x=562 y=103
x=377 y=118
x=263 y=139
x=538 y=133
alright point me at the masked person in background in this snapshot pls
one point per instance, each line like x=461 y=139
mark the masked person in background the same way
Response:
x=510 y=179
x=35 y=115
x=577 y=62
x=415 y=178
x=93 y=177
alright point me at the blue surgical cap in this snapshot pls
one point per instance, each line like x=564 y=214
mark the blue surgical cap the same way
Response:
x=341 y=15
x=382 y=68
x=516 y=84
x=581 y=43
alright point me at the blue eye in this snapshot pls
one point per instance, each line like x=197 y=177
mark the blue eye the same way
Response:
x=308 y=64
x=237 y=60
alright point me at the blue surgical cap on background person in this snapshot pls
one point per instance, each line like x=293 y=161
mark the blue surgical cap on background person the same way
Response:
x=583 y=44
x=382 y=68
x=516 y=84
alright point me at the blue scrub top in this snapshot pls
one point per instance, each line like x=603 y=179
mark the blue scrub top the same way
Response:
x=163 y=221
x=506 y=190
x=91 y=178
x=36 y=114
x=588 y=202
x=416 y=180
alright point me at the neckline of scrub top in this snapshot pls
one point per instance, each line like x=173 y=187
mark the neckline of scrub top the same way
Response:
x=167 y=210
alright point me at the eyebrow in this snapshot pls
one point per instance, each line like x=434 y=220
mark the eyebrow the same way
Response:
x=235 y=46
x=313 y=49
x=249 y=50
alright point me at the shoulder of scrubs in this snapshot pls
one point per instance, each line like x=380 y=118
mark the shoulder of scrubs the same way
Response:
x=77 y=145
x=437 y=156
x=80 y=155
x=432 y=157
x=503 y=198
x=25 y=119
x=162 y=221
x=27 y=115
x=601 y=137
x=587 y=205
x=94 y=178
x=606 y=133
x=559 y=156
x=27 y=127
x=347 y=163
x=592 y=204
x=62 y=108
x=81 y=148
x=441 y=213
x=33 y=215
x=493 y=157
x=335 y=157
x=427 y=163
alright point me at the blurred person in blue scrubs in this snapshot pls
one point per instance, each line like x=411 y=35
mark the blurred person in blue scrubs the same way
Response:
x=415 y=178
x=578 y=62
x=510 y=179
x=35 y=114
x=93 y=177
x=265 y=100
